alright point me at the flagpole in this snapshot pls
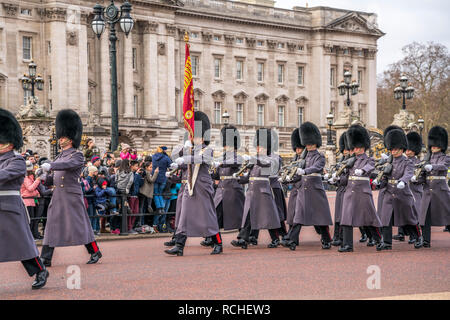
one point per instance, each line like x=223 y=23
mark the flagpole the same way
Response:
x=186 y=40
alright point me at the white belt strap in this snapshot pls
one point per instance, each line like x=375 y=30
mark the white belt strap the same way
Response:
x=9 y=193
x=227 y=177
x=358 y=178
x=258 y=179
x=313 y=175
x=436 y=178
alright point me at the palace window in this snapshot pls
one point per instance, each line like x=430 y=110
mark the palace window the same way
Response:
x=333 y=77
x=260 y=115
x=194 y=65
x=217 y=68
x=239 y=70
x=301 y=118
x=280 y=73
x=27 y=48
x=217 y=112
x=260 y=71
x=239 y=113
x=134 y=59
x=135 y=106
x=281 y=116
x=300 y=76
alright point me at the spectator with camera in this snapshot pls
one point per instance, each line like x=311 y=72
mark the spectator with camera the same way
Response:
x=133 y=198
x=29 y=192
x=147 y=188
x=90 y=193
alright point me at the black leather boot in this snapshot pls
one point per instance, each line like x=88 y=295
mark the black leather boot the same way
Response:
x=363 y=238
x=170 y=243
x=253 y=241
x=41 y=279
x=207 y=242
x=326 y=245
x=371 y=242
x=46 y=262
x=399 y=237
x=418 y=243
x=336 y=242
x=217 y=249
x=274 y=244
x=240 y=243
x=175 y=251
x=383 y=246
x=94 y=257
x=345 y=248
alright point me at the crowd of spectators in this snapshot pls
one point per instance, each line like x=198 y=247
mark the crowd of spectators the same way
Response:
x=110 y=184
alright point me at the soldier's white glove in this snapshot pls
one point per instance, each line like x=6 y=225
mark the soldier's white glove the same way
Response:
x=235 y=175
x=384 y=156
x=401 y=185
x=358 y=172
x=280 y=179
x=173 y=166
x=167 y=174
x=188 y=144
x=376 y=182
x=326 y=176
x=428 y=167
x=246 y=175
x=331 y=181
x=246 y=157
x=413 y=179
x=300 y=172
x=216 y=164
x=179 y=161
x=334 y=176
x=46 y=167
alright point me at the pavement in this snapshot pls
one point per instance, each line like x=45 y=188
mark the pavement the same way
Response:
x=139 y=269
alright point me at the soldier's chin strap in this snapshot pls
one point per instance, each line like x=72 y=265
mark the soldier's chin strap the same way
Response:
x=65 y=143
x=4 y=147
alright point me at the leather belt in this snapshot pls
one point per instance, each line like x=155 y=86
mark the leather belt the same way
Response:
x=358 y=178
x=313 y=175
x=436 y=178
x=10 y=193
x=393 y=181
x=258 y=179
x=227 y=177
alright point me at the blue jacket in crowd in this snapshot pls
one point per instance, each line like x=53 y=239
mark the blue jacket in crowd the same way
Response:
x=137 y=184
x=161 y=161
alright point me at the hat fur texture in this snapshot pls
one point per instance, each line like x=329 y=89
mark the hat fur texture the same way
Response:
x=202 y=126
x=396 y=139
x=310 y=134
x=358 y=137
x=438 y=137
x=230 y=137
x=68 y=124
x=414 y=142
x=10 y=130
x=295 y=140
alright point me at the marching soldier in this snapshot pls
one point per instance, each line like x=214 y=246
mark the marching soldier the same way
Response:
x=260 y=210
x=229 y=197
x=398 y=207
x=312 y=208
x=197 y=217
x=435 y=209
x=67 y=220
x=16 y=241
x=296 y=181
x=358 y=209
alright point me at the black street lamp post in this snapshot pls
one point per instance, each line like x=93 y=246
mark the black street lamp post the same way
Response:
x=348 y=86
x=31 y=80
x=404 y=90
x=421 y=126
x=113 y=15
x=330 y=118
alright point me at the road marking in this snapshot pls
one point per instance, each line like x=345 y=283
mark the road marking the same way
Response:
x=418 y=296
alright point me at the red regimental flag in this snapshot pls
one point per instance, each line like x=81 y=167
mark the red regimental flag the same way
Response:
x=188 y=94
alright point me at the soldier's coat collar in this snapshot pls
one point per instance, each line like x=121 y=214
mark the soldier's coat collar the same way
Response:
x=7 y=155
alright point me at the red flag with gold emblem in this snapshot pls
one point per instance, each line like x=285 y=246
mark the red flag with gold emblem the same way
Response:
x=188 y=93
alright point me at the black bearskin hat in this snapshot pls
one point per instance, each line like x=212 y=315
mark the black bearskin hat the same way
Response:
x=438 y=137
x=202 y=126
x=343 y=143
x=230 y=137
x=396 y=139
x=310 y=134
x=68 y=124
x=10 y=129
x=386 y=131
x=266 y=138
x=295 y=140
x=414 y=142
x=358 y=137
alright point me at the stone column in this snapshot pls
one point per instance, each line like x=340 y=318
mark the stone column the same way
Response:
x=105 y=76
x=59 y=65
x=128 y=84
x=171 y=30
x=320 y=77
x=83 y=70
x=371 y=96
x=151 y=70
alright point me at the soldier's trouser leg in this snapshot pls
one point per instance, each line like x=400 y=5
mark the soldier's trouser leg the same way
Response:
x=288 y=234
x=47 y=252
x=325 y=234
x=180 y=239
x=274 y=234
x=336 y=232
x=219 y=211
x=92 y=247
x=401 y=231
x=282 y=230
x=426 y=229
x=217 y=239
x=295 y=233
x=254 y=233
x=387 y=231
x=363 y=231
x=347 y=236
x=244 y=234
x=412 y=230
x=33 y=266
x=376 y=234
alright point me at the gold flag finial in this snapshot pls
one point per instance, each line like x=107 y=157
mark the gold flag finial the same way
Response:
x=186 y=36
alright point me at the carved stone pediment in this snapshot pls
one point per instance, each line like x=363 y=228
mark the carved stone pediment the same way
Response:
x=240 y=96
x=262 y=97
x=219 y=95
x=354 y=22
x=92 y=83
x=137 y=86
x=198 y=93
x=10 y=9
x=171 y=29
x=229 y=39
x=206 y=36
x=282 y=98
x=250 y=42
x=271 y=44
x=148 y=26
x=53 y=14
x=291 y=46
x=301 y=100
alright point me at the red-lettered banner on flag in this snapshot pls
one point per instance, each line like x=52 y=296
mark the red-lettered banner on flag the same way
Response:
x=188 y=93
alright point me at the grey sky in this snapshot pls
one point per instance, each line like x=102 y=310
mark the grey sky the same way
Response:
x=403 y=21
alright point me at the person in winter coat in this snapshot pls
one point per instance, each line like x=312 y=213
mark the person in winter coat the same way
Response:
x=162 y=161
x=133 y=198
x=148 y=186
x=29 y=192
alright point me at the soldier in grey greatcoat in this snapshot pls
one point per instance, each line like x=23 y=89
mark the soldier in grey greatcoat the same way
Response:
x=413 y=154
x=312 y=207
x=296 y=181
x=197 y=217
x=16 y=241
x=67 y=219
x=358 y=209
x=398 y=207
x=435 y=208
x=260 y=210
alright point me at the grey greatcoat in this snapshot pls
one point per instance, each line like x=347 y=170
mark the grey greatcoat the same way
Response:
x=259 y=199
x=340 y=191
x=280 y=199
x=296 y=184
x=398 y=202
x=312 y=208
x=16 y=240
x=198 y=215
x=229 y=192
x=436 y=194
x=67 y=220
x=358 y=208
x=416 y=188
x=182 y=178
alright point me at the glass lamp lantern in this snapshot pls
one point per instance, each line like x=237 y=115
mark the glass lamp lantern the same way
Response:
x=126 y=22
x=347 y=77
x=39 y=83
x=409 y=92
x=225 y=117
x=355 y=88
x=330 y=118
x=403 y=81
x=98 y=24
x=32 y=69
x=24 y=80
x=398 y=93
x=341 y=88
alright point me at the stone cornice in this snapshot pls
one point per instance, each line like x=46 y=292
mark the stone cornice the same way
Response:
x=148 y=26
x=171 y=29
x=11 y=9
x=53 y=14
